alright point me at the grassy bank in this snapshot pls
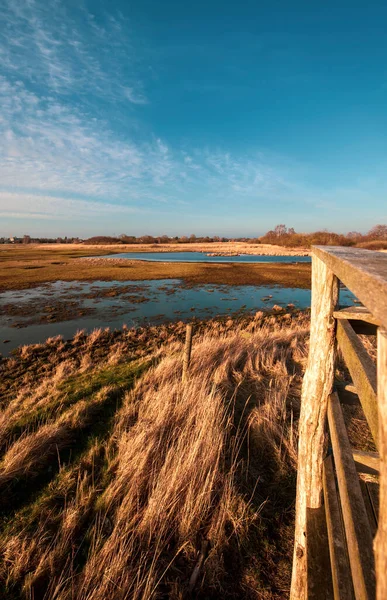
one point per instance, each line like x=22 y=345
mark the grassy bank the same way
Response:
x=28 y=266
x=120 y=479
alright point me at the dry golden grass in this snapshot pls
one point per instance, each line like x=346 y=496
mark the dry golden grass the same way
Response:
x=173 y=476
x=35 y=451
x=358 y=430
x=24 y=266
x=72 y=250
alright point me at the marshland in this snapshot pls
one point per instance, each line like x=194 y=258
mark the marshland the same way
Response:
x=208 y=168
x=23 y=266
x=46 y=290
x=120 y=479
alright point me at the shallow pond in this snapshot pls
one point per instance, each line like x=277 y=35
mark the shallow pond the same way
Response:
x=31 y=316
x=203 y=257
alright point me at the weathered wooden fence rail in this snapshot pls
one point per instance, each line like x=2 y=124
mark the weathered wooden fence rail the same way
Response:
x=340 y=548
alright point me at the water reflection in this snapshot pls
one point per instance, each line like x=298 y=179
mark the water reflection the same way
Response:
x=31 y=316
x=204 y=257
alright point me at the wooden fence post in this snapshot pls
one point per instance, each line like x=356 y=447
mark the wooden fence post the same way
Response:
x=316 y=388
x=187 y=350
x=381 y=536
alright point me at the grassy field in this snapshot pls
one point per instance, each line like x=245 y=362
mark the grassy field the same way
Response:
x=215 y=247
x=119 y=479
x=28 y=266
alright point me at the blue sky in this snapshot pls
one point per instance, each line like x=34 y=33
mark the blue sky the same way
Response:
x=210 y=117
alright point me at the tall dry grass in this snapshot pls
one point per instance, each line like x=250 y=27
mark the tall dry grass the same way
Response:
x=194 y=490
x=34 y=452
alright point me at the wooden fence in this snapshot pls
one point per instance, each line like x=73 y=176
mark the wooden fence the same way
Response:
x=340 y=548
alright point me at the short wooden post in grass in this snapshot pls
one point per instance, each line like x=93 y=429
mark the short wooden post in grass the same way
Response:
x=316 y=388
x=381 y=536
x=187 y=350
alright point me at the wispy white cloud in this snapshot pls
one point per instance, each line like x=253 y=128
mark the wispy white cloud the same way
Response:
x=47 y=146
x=56 y=142
x=133 y=96
x=63 y=156
x=16 y=205
x=70 y=52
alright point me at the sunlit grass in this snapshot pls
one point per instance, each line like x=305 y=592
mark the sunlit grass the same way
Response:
x=116 y=488
x=28 y=266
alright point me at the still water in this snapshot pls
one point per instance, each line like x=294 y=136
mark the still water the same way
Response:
x=25 y=315
x=203 y=257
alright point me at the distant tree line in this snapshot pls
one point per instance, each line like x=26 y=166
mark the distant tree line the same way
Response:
x=376 y=238
x=150 y=239
x=281 y=235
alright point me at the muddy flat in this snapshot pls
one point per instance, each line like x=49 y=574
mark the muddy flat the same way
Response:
x=24 y=267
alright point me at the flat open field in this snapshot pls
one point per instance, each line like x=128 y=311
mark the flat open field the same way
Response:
x=215 y=247
x=23 y=266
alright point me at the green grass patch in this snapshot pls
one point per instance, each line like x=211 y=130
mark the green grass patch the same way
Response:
x=96 y=427
x=80 y=386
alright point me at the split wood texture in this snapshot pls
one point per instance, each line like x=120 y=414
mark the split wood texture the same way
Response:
x=365 y=274
x=366 y=462
x=381 y=537
x=363 y=373
x=356 y=523
x=341 y=571
x=316 y=388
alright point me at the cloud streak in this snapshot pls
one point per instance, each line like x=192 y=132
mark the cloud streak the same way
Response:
x=69 y=53
x=73 y=143
x=56 y=143
x=48 y=147
x=31 y=206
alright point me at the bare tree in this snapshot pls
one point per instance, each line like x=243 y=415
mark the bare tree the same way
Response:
x=379 y=232
x=280 y=230
x=354 y=235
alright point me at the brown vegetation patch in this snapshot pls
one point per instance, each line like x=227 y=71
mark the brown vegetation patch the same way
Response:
x=73 y=267
x=46 y=311
x=374 y=245
x=122 y=481
x=177 y=470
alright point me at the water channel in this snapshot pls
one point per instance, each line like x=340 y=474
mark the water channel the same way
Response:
x=62 y=308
